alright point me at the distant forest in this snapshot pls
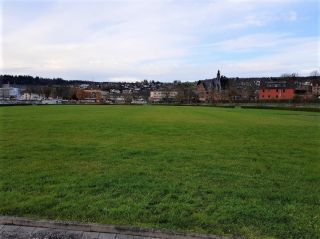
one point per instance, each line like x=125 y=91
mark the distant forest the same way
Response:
x=30 y=80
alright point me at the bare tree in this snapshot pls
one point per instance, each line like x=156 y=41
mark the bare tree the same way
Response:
x=314 y=73
x=289 y=75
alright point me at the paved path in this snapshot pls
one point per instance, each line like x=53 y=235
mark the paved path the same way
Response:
x=24 y=228
x=23 y=232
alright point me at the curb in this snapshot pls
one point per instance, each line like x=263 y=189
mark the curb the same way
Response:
x=133 y=231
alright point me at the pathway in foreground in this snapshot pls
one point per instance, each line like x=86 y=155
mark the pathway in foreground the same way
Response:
x=22 y=228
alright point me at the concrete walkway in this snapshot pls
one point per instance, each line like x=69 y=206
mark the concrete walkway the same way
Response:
x=23 y=232
x=23 y=228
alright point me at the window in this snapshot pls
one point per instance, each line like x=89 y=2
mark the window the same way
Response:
x=276 y=90
x=269 y=96
x=284 y=90
x=263 y=91
x=276 y=96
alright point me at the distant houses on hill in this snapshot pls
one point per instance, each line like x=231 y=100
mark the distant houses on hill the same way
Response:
x=218 y=89
x=286 y=88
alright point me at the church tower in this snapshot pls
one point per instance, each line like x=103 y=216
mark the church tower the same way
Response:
x=218 y=82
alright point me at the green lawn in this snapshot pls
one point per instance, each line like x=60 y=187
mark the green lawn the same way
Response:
x=254 y=173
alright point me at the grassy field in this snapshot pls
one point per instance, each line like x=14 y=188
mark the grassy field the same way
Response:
x=254 y=173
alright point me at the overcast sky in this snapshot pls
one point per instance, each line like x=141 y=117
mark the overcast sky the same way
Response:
x=161 y=40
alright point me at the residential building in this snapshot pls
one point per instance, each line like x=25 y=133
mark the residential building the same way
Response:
x=91 y=96
x=316 y=89
x=31 y=97
x=304 y=91
x=162 y=96
x=7 y=92
x=276 y=91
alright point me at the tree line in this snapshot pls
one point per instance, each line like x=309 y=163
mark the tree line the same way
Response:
x=30 y=80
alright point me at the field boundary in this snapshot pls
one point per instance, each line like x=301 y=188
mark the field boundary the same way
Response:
x=92 y=227
x=292 y=107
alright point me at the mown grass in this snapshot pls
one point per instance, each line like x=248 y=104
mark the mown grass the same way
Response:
x=254 y=173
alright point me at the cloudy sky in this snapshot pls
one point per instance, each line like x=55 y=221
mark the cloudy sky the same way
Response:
x=165 y=40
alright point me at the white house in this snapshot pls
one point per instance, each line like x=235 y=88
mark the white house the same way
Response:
x=7 y=92
x=31 y=96
x=158 y=96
